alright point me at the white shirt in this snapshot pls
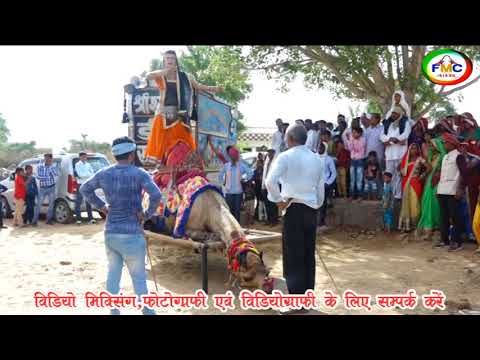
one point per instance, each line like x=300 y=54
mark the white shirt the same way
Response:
x=449 y=174
x=312 y=140
x=329 y=168
x=301 y=174
x=277 y=140
x=266 y=169
x=396 y=151
x=84 y=171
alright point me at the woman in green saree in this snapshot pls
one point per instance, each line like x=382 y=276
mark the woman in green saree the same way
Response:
x=430 y=215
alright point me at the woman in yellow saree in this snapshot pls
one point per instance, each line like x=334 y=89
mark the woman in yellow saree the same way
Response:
x=413 y=168
x=476 y=226
x=172 y=117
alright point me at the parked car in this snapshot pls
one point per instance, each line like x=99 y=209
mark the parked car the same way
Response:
x=250 y=158
x=64 y=207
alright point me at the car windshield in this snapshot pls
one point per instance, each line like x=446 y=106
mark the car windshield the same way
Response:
x=96 y=162
x=250 y=161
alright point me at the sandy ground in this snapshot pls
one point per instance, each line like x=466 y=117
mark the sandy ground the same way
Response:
x=65 y=258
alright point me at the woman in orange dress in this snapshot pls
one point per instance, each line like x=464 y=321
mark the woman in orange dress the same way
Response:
x=172 y=117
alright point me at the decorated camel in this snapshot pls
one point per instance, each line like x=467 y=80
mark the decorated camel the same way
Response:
x=193 y=208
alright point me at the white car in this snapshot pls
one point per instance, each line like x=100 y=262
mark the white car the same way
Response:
x=66 y=188
x=250 y=158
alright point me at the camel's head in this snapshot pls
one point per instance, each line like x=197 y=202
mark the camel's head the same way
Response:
x=252 y=271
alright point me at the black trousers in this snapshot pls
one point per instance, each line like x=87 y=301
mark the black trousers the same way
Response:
x=298 y=242
x=450 y=211
x=322 y=213
x=271 y=208
x=1 y=214
x=234 y=202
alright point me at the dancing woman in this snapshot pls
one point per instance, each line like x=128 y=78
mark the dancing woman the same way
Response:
x=172 y=117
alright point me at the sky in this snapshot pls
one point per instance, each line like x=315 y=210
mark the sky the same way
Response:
x=51 y=94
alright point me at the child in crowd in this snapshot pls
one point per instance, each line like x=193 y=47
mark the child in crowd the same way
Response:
x=19 y=195
x=2 y=190
x=329 y=179
x=343 y=164
x=356 y=144
x=387 y=202
x=372 y=170
x=249 y=201
x=326 y=137
x=32 y=192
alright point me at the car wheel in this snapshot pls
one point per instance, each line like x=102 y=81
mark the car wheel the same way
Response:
x=63 y=214
x=5 y=209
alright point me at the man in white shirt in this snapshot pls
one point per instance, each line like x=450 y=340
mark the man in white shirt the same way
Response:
x=301 y=175
x=84 y=171
x=312 y=136
x=395 y=138
x=277 y=138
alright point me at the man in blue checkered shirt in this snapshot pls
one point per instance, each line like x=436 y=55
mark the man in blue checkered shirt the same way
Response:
x=47 y=175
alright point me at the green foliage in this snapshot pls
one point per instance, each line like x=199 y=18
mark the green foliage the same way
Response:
x=13 y=153
x=363 y=73
x=442 y=111
x=373 y=107
x=90 y=146
x=4 y=131
x=217 y=66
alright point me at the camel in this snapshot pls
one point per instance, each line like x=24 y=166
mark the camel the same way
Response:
x=209 y=220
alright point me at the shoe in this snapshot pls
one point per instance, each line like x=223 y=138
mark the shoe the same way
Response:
x=34 y=224
x=4 y=227
x=50 y=222
x=93 y=221
x=79 y=222
x=455 y=247
x=440 y=245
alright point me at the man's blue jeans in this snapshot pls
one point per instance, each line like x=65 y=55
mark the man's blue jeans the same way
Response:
x=131 y=249
x=356 y=178
x=78 y=206
x=42 y=194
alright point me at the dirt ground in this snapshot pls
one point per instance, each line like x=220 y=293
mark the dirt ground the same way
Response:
x=65 y=258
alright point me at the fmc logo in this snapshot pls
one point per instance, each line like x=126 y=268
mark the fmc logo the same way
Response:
x=447 y=67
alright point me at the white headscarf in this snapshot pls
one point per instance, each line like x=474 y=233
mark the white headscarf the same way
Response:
x=403 y=104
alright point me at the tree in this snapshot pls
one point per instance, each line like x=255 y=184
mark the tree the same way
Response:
x=89 y=146
x=13 y=153
x=441 y=111
x=365 y=73
x=4 y=131
x=217 y=66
